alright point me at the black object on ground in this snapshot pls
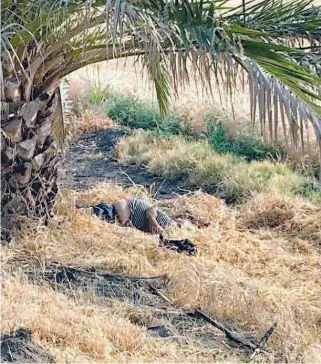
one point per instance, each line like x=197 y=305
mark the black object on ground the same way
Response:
x=103 y=210
x=237 y=338
x=19 y=348
x=182 y=245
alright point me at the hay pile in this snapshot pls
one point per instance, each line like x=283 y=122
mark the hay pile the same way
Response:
x=202 y=209
x=291 y=216
x=90 y=121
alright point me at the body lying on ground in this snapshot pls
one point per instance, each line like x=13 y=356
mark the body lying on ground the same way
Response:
x=141 y=215
x=137 y=213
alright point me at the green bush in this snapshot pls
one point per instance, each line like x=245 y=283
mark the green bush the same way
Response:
x=137 y=114
x=244 y=143
x=131 y=112
x=310 y=188
x=228 y=176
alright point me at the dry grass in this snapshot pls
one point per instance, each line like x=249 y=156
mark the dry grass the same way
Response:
x=73 y=331
x=91 y=117
x=91 y=121
x=252 y=277
x=292 y=216
x=202 y=209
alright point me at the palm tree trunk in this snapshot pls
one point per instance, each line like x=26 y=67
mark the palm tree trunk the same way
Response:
x=29 y=157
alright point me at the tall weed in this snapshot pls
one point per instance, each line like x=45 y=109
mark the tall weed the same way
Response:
x=244 y=143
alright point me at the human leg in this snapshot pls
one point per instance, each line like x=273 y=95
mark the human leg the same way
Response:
x=122 y=211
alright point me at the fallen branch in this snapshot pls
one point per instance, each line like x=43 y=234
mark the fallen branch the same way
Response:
x=229 y=334
x=92 y=272
x=263 y=341
x=239 y=339
x=161 y=295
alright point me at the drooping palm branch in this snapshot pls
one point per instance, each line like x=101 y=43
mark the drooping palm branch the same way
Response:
x=277 y=44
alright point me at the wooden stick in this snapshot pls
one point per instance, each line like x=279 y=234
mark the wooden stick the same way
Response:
x=161 y=295
x=229 y=334
x=197 y=313
x=263 y=341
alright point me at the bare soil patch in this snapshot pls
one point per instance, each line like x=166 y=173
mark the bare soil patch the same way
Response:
x=18 y=347
x=90 y=160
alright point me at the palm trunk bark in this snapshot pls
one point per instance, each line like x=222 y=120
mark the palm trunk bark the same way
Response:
x=29 y=157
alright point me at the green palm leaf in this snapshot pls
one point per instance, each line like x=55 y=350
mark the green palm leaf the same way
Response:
x=263 y=39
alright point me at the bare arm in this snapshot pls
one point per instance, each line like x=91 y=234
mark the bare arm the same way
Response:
x=153 y=225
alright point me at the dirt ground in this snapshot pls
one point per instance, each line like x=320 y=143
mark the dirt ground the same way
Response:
x=148 y=308
x=18 y=347
x=91 y=160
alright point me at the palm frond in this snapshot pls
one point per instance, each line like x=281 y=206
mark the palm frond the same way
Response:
x=288 y=21
x=263 y=39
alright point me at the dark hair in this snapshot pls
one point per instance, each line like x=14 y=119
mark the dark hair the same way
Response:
x=105 y=211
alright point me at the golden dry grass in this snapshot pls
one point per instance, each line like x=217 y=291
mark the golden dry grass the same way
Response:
x=290 y=215
x=90 y=121
x=254 y=277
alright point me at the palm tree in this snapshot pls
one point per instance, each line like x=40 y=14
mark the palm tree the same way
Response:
x=274 y=43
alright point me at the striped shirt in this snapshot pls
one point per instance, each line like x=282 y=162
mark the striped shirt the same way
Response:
x=138 y=216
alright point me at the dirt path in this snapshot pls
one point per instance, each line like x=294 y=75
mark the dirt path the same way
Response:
x=91 y=160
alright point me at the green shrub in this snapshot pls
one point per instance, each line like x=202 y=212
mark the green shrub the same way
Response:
x=138 y=114
x=169 y=125
x=244 y=143
x=310 y=188
x=131 y=112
